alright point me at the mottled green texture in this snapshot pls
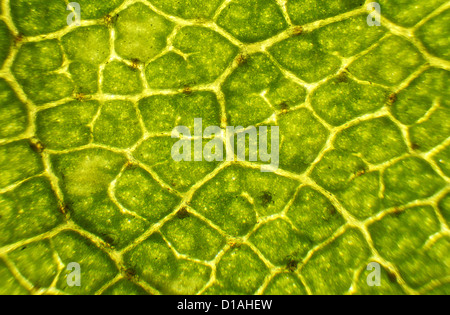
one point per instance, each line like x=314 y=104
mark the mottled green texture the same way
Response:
x=87 y=176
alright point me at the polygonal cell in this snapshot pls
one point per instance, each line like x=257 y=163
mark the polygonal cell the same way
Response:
x=9 y=284
x=362 y=197
x=378 y=140
x=336 y=169
x=13 y=113
x=398 y=235
x=354 y=32
x=408 y=13
x=189 y=9
x=117 y=125
x=303 y=136
x=66 y=126
x=342 y=99
x=119 y=78
x=389 y=63
x=243 y=89
x=302 y=12
x=141 y=33
x=410 y=179
x=431 y=132
x=36 y=17
x=28 y=210
x=85 y=77
x=442 y=159
x=314 y=215
x=36 y=263
x=35 y=67
x=388 y=284
x=155 y=263
x=435 y=35
x=331 y=269
x=139 y=192
x=18 y=161
x=85 y=177
x=280 y=243
x=95 y=9
x=285 y=284
x=234 y=197
x=241 y=271
x=156 y=152
x=193 y=237
x=305 y=58
x=413 y=102
x=205 y=56
x=96 y=267
x=162 y=113
x=6 y=39
x=252 y=20
x=124 y=287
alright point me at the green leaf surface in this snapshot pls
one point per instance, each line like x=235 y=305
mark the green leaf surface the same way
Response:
x=86 y=173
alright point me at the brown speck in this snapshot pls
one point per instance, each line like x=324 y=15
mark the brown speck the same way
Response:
x=110 y=20
x=135 y=63
x=292 y=265
x=392 y=276
x=415 y=146
x=37 y=145
x=392 y=98
x=129 y=273
x=183 y=213
x=284 y=106
x=266 y=198
x=242 y=59
x=342 y=77
x=187 y=90
x=297 y=30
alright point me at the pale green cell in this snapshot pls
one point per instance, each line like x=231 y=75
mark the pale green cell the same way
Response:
x=390 y=63
x=162 y=113
x=205 y=56
x=10 y=286
x=36 y=17
x=365 y=138
x=96 y=267
x=408 y=13
x=36 y=262
x=84 y=76
x=304 y=57
x=89 y=45
x=28 y=210
x=336 y=169
x=342 y=99
x=314 y=215
x=302 y=12
x=17 y=162
x=240 y=270
x=252 y=20
x=155 y=263
x=121 y=79
x=280 y=243
x=285 y=284
x=13 y=113
x=354 y=32
x=410 y=179
x=362 y=197
x=413 y=102
x=6 y=40
x=124 y=287
x=331 y=269
x=66 y=126
x=433 y=131
x=141 y=33
x=139 y=192
x=117 y=125
x=302 y=138
x=189 y=9
x=435 y=35
x=193 y=237
x=85 y=177
x=157 y=153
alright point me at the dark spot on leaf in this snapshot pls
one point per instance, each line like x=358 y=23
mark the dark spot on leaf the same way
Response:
x=266 y=198
x=183 y=213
